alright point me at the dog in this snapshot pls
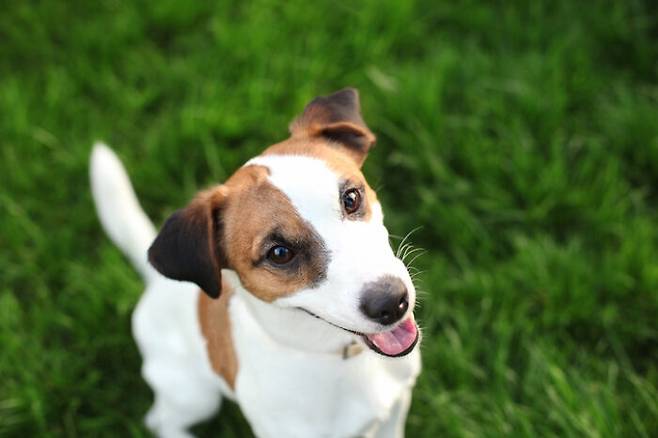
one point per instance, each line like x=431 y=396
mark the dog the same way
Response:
x=278 y=289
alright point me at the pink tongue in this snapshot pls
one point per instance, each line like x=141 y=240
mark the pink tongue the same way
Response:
x=397 y=340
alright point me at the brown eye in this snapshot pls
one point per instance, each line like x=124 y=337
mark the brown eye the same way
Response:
x=280 y=255
x=351 y=200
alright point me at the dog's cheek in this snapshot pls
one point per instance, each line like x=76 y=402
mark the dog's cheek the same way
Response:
x=269 y=286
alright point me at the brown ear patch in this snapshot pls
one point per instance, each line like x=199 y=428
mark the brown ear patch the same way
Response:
x=187 y=248
x=337 y=119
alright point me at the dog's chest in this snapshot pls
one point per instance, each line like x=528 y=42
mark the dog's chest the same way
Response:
x=292 y=393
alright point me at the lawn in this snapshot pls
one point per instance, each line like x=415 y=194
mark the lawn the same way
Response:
x=521 y=138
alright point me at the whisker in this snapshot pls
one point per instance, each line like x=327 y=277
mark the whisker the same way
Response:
x=421 y=253
x=413 y=251
x=421 y=295
x=402 y=248
x=404 y=239
x=408 y=250
x=407 y=247
x=417 y=273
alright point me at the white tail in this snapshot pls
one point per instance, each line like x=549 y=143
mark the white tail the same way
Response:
x=118 y=209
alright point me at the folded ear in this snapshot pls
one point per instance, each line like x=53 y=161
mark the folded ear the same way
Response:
x=189 y=247
x=337 y=118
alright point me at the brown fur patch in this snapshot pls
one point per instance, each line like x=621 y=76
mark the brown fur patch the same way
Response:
x=216 y=329
x=255 y=212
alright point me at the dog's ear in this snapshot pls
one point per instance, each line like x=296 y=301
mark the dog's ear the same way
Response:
x=337 y=118
x=189 y=246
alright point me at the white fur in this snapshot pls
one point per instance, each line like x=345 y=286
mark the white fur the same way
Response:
x=292 y=380
x=118 y=209
x=285 y=391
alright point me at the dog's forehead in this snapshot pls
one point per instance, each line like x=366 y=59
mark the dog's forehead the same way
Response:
x=310 y=185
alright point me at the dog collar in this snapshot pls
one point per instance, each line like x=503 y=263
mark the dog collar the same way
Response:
x=352 y=349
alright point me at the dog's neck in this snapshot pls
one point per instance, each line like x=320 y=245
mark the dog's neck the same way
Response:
x=294 y=328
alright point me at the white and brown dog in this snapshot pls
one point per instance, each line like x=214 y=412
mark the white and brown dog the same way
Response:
x=306 y=320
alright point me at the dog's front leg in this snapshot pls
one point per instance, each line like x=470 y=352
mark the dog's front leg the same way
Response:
x=393 y=427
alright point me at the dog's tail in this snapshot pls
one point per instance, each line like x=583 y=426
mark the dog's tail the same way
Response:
x=118 y=209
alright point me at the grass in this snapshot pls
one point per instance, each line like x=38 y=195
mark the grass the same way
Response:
x=522 y=137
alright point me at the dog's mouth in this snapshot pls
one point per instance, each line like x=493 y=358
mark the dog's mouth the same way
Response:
x=396 y=342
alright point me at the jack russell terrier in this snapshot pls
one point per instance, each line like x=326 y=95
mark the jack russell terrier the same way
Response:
x=277 y=289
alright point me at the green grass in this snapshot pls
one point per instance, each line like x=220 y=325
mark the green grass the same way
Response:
x=522 y=137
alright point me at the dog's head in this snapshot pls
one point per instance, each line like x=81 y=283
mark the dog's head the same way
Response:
x=302 y=229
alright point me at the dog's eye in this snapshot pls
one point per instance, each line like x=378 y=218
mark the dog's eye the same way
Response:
x=280 y=255
x=351 y=200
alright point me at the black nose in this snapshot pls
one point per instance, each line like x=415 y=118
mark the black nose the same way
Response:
x=385 y=301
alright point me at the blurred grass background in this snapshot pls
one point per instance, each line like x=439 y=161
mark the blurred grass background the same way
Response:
x=521 y=136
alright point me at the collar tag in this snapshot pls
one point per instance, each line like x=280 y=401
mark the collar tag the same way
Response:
x=352 y=349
